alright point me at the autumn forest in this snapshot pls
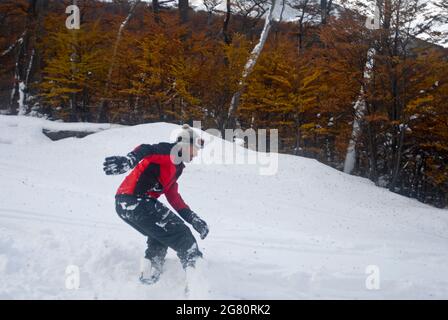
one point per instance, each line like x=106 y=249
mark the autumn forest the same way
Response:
x=369 y=101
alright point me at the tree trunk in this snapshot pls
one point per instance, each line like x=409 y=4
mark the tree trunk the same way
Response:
x=183 y=10
x=360 y=110
x=396 y=169
x=156 y=10
x=25 y=56
x=323 y=11
x=225 y=27
x=325 y=7
x=102 y=112
x=372 y=156
x=250 y=66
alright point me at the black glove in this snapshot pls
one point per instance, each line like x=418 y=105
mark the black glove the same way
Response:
x=117 y=165
x=200 y=226
x=197 y=223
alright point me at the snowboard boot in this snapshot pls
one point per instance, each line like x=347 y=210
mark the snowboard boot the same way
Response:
x=151 y=270
x=188 y=258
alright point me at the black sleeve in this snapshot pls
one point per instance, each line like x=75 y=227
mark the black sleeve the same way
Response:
x=139 y=153
x=186 y=214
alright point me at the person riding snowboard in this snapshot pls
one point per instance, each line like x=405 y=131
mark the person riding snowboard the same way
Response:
x=156 y=169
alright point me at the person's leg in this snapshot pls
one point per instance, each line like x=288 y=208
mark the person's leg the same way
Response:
x=188 y=257
x=170 y=230
x=153 y=219
x=152 y=268
x=156 y=253
x=128 y=209
x=131 y=210
x=175 y=233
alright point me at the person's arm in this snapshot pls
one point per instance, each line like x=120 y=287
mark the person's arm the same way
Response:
x=139 y=153
x=118 y=165
x=176 y=201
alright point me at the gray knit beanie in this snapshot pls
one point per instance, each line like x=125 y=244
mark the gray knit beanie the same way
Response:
x=188 y=136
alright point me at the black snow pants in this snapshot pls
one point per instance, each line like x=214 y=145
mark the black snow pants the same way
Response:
x=162 y=227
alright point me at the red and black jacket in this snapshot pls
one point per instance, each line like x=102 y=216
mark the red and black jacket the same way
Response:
x=155 y=173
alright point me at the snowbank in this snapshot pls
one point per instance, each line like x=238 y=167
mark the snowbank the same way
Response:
x=308 y=231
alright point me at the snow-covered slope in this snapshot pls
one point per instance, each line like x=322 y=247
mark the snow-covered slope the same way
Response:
x=306 y=232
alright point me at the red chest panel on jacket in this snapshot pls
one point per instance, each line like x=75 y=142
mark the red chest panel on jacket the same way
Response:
x=151 y=170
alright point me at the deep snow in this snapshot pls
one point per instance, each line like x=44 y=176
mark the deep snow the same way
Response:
x=308 y=231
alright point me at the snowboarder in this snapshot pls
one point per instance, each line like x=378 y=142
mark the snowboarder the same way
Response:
x=156 y=169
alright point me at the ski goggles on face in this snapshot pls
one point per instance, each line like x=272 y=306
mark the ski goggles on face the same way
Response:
x=199 y=143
